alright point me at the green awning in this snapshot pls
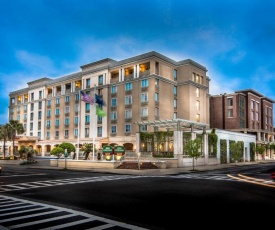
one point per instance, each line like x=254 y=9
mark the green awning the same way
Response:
x=107 y=149
x=119 y=149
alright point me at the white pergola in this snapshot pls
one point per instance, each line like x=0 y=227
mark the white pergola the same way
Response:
x=178 y=126
x=175 y=124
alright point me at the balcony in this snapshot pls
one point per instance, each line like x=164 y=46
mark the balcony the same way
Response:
x=87 y=123
x=129 y=91
x=113 y=107
x=144 y=74
x=48 y=126
x=56 y=126
x=67 y=114
x=144 y=103
x=128 y=119
x=128 y=106
x=145 y=88
x=56 y=137
x=114 y=94
x=48 y=138
x=112 y=134
x=114 y=121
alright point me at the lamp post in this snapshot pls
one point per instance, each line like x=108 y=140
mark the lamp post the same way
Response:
x=66 y=155
x=138 y=160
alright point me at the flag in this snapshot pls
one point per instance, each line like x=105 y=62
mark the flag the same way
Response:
x=99 y=100
x=100 y=112
x=86 y=98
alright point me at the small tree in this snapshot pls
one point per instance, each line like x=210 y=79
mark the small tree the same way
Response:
x=27 y=152
x=192 y=148
x=87 y=148
x=57 y=151
x=260 y=149
x=236 y=151
x=69 y=146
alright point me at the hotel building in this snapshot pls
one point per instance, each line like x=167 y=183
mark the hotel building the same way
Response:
x=147 y=87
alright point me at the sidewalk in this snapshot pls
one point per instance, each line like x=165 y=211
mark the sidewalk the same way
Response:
x=153 y=172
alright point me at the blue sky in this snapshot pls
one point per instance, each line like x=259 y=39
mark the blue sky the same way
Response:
x=234 y=40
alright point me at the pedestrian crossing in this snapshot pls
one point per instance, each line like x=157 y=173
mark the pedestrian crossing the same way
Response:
x=48 y=183
x=204 y=177
x=23 y=214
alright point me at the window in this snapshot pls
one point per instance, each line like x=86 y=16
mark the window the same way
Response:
x=57 y=101
x=198 y=92
x=77 y=97
x=76 y=132
x=175 y=90
x=67 y=121
x=66 y=132
x=48 y=113
x=39 y=125
x=76 y=108
x=18 y=109
x=113 y=89
x=32 y=96
x=257 y=116
x=157 y=68
x=175 y=103
x=113 y=115
x=252 y=104
x=144 y=97
x=128 y=86
x=229 y=101
x=31 y=116
x=40 y=105
x=25 y=116
x=87 y=118
x=144 y=83
x=144 y=112
x=56 y=133
x=76 y=120
x=128 y=100
x=198 y=105
x=99 y=131
x=198 y=117
x=57 y=122
x=48 y=102
x=127 y=128
x=25 y=126
x=48 y=134
x=156 y=111
x=18 y=117
x=175 y=115
x=67 y=109
x=87 y=107
x=31 y=126
x=175 y=74
x=57 y=111
x=67 y=99
x=87 y=131
x=113 y=129
x=143 y=128
x=48 y=123
x=156 y=97
x=25 y=107
x=157 y=82
x=100 y=80
x=39 y=115
x=113 y=102
x=32 y=106
x=40 y=94
x=128 y=114
x=230 y=113
x=257 y=106
x=39 y=135
x=88 y=83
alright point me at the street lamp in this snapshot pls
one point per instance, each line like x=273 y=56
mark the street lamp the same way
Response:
x=66 y=155
x=138 y=160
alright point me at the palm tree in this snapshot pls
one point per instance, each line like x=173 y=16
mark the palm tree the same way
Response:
x=5 y=135
x=16 y=128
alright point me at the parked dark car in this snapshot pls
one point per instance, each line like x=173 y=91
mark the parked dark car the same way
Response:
x=273 y=175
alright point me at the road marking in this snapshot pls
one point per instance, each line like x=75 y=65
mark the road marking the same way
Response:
x=48 y=217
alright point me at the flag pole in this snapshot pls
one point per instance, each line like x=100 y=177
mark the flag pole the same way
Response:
x=94 y=124
x=78 y=126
